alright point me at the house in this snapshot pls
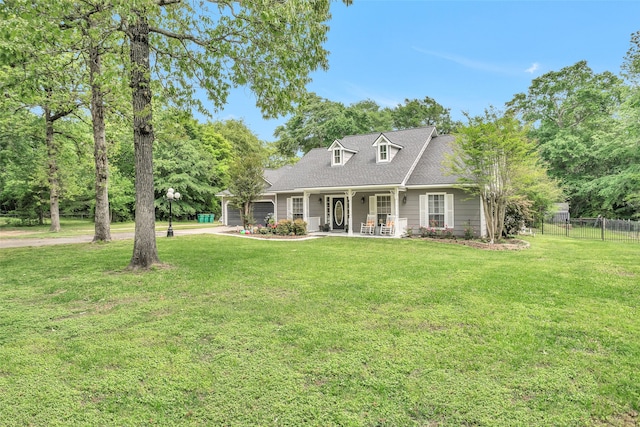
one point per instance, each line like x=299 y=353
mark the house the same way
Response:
x=397 y=173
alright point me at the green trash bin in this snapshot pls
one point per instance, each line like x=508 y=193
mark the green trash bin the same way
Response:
x=200 y=218
x=213 y=217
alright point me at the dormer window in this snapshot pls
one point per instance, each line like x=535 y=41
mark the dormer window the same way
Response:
x=337 y=156
x=385 y=149
x=383 y=153
x=340 y=154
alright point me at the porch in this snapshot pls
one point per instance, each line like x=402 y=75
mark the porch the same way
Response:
x=315 y=228
x=343 y=211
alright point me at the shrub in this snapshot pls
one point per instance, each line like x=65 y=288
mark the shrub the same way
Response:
x=447 y=233
x=428 y=232
x=468 y=231
x=436 y=233
x=284 y=227
x=299 y=227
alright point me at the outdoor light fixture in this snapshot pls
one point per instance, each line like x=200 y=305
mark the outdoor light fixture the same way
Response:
x=171 y=196
x=404 y=199
x=320 y=199
x=362 y=200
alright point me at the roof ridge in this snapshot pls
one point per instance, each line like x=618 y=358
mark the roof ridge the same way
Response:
x=418 y=157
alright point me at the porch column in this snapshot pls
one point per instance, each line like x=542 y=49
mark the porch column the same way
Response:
x=396 y=196
x=350 y=194
x=305 y=207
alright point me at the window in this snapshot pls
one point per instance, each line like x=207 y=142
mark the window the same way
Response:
x=383 y=153
x=296 y=208
x=383 y=208
x=435 y=210
x=337 y=156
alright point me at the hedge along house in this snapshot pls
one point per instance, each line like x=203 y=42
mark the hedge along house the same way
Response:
x=397 y=176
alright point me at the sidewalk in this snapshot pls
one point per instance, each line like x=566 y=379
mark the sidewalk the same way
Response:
x=6 y=243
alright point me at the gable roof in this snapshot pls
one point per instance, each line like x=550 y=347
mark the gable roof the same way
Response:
x=273 y=175
x=417 y=163
x=429 y=169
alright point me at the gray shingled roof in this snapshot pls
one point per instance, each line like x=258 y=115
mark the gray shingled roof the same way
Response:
x=314 y=170
x=430 y=170
x=273 y=175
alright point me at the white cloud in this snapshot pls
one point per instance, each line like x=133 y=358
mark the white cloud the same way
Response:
x=534 y=67
x=478 y=65
x=466 y=62
x=360 y=94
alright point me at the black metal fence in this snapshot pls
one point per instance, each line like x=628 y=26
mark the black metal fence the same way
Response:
x=622 y=230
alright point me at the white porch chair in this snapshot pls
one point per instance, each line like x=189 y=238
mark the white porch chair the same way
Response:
x=369 y=226
x=389 y=226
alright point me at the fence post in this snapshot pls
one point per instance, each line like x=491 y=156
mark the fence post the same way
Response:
x=602 y=227
x=566 y=228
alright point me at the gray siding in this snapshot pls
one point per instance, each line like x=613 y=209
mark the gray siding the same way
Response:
x=465 y=208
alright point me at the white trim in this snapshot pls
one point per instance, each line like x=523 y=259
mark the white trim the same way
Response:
x=383 y=140
x=337 y=146
x=373 y=205
x=305 y=207
x=379 y=158
x=275 y=209
x=289 y=208
x=340 y=154
x=361 y=188
x=350 y=211
x=452 y=185
x=449 y=218
x=391 y=204
x=483 y=220
x=418 y=157
x=448 y=211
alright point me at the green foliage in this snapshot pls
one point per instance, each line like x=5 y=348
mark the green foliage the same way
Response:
x=423 y=112
x=299 y=227
x=284 y=227
x=183 y=163
x=437 y=233
x=318 y=122
x=469 y=232
x=492 y=157
x=518 y=213
x=577 y=123
x=235 y=332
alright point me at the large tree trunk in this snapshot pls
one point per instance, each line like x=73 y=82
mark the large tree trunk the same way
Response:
x=145 y=252
x=52 y=172
x=102 y=220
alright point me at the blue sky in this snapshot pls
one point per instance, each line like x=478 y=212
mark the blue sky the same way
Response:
x=467 y=55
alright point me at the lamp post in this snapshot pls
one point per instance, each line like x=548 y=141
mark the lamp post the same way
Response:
x=171 y=196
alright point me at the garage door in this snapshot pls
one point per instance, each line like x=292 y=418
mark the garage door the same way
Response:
x=260 y=211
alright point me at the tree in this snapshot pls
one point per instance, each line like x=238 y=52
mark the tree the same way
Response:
x=270 y=46
x=246 y=170
x=72 y=32
x=23 y=181
x=246 y=183
x=491 y=154
x=182 y=161
x=317 y=122
x=38 y=74
x=423 y=112
x=572 y=112
x=97 y=37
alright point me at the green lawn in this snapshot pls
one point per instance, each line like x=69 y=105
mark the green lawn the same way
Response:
x=76 y=227
x=333 y=331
